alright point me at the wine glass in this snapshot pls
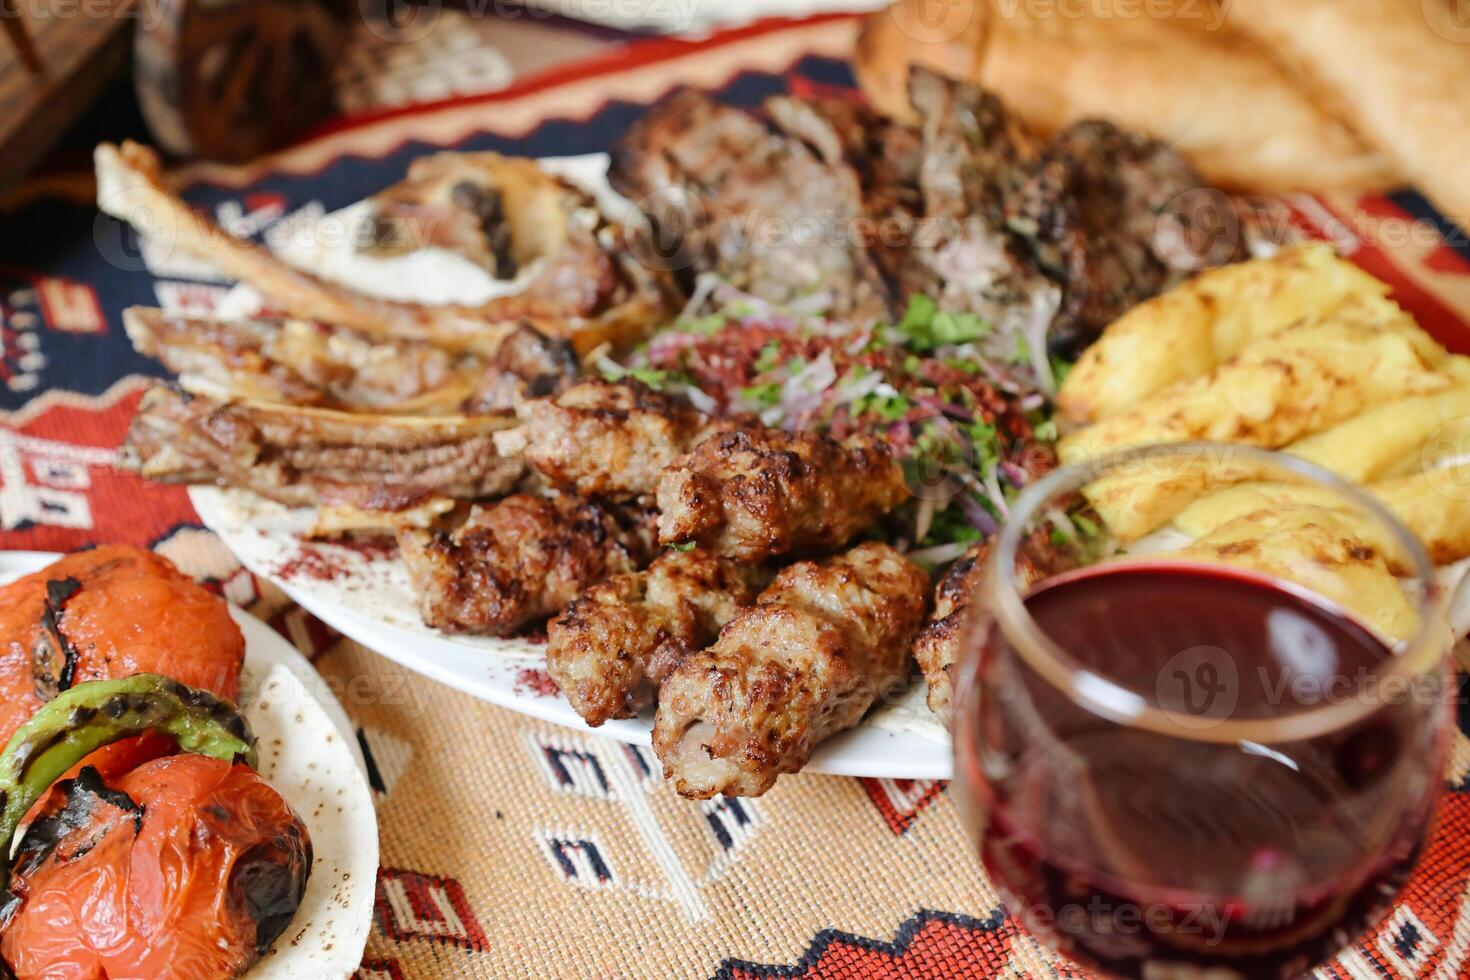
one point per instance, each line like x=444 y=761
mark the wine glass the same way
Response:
x=1213 y=753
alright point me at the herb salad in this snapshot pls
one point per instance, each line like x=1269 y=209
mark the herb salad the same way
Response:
x=969 y=421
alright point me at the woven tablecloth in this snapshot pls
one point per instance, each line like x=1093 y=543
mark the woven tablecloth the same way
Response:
x=511 y=848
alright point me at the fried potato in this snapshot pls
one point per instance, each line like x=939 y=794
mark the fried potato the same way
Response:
x=1317 y=549
x=1390 y=440
x=1433 y=504
x=1375 y=445
x=1192 y=329
x=1143 y=495
x=1206 y=515
x=1283 y=387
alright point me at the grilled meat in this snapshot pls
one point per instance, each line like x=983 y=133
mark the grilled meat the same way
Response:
x=517 y=561
x=754 y=493
x=609 y=440
x=306 y=456
x=297 y=362
x=455 y=202
x=763 y=210
x=614 y=645
x=805 y=662
x=1090 y=214
x=886 y=158
x=975 y=159
x=1045 y=241
x=939 y=643
x=975 y=155
x=579 y=282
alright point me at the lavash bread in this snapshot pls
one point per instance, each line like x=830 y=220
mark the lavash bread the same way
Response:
x=1170 y=71
x=1397 y=70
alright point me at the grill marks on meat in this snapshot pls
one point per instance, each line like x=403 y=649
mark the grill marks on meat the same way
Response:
x=805 y=662
x=305 y=457
x=974 y=160
x=885 y=156
x=298 y=362
x=614 y=645
x=760 y=208
x=755 y=493
x=966 y=207
x=975 y=156
x=938 y=644
x=517 y=561
x=609 y=440
x=1090 y=214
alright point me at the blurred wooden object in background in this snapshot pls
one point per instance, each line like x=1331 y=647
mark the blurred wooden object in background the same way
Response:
x=20 y=38
x=232 y=79
x=68 y=54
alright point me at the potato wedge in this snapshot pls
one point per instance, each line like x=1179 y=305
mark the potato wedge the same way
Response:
x=1192 y=329
x=1317 y=549
x=1206 y=515
x=1141 y=496
x=1378 y=444
x=1433 y=504
x=1283 y=387
x=1390 y=440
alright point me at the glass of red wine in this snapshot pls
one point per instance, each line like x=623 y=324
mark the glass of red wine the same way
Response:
x=1214 y=753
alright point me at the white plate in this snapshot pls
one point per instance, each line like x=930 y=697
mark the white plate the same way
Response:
x=309 y=753
x=368 y=599
x=694 y=16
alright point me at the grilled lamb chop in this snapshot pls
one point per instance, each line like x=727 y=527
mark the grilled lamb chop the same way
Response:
x=311 y=456
x=297 y=362
x=580 y=283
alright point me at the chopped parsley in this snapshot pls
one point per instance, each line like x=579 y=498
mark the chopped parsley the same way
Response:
x=944 y=389
x=925 y=327
x=652 y=377
x=768 y=394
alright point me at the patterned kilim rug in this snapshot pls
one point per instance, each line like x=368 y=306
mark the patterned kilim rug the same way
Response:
x=514 y=849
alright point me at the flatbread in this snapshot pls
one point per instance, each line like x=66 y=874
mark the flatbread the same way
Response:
x=1211 y=93
x=1398 y=71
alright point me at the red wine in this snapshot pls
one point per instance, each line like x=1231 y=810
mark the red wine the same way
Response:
x=1128 y=848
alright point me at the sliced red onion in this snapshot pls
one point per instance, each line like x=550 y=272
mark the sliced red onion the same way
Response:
x=850 y=390
x=701 y=400
x=924 y=518
x=810 y=381
x=977 y=515
x=941 y=554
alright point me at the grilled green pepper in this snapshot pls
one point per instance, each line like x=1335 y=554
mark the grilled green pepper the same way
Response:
x=83 y=719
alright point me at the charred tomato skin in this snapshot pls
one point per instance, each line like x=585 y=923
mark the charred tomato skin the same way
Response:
x=186 y=867
x=108 y=613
